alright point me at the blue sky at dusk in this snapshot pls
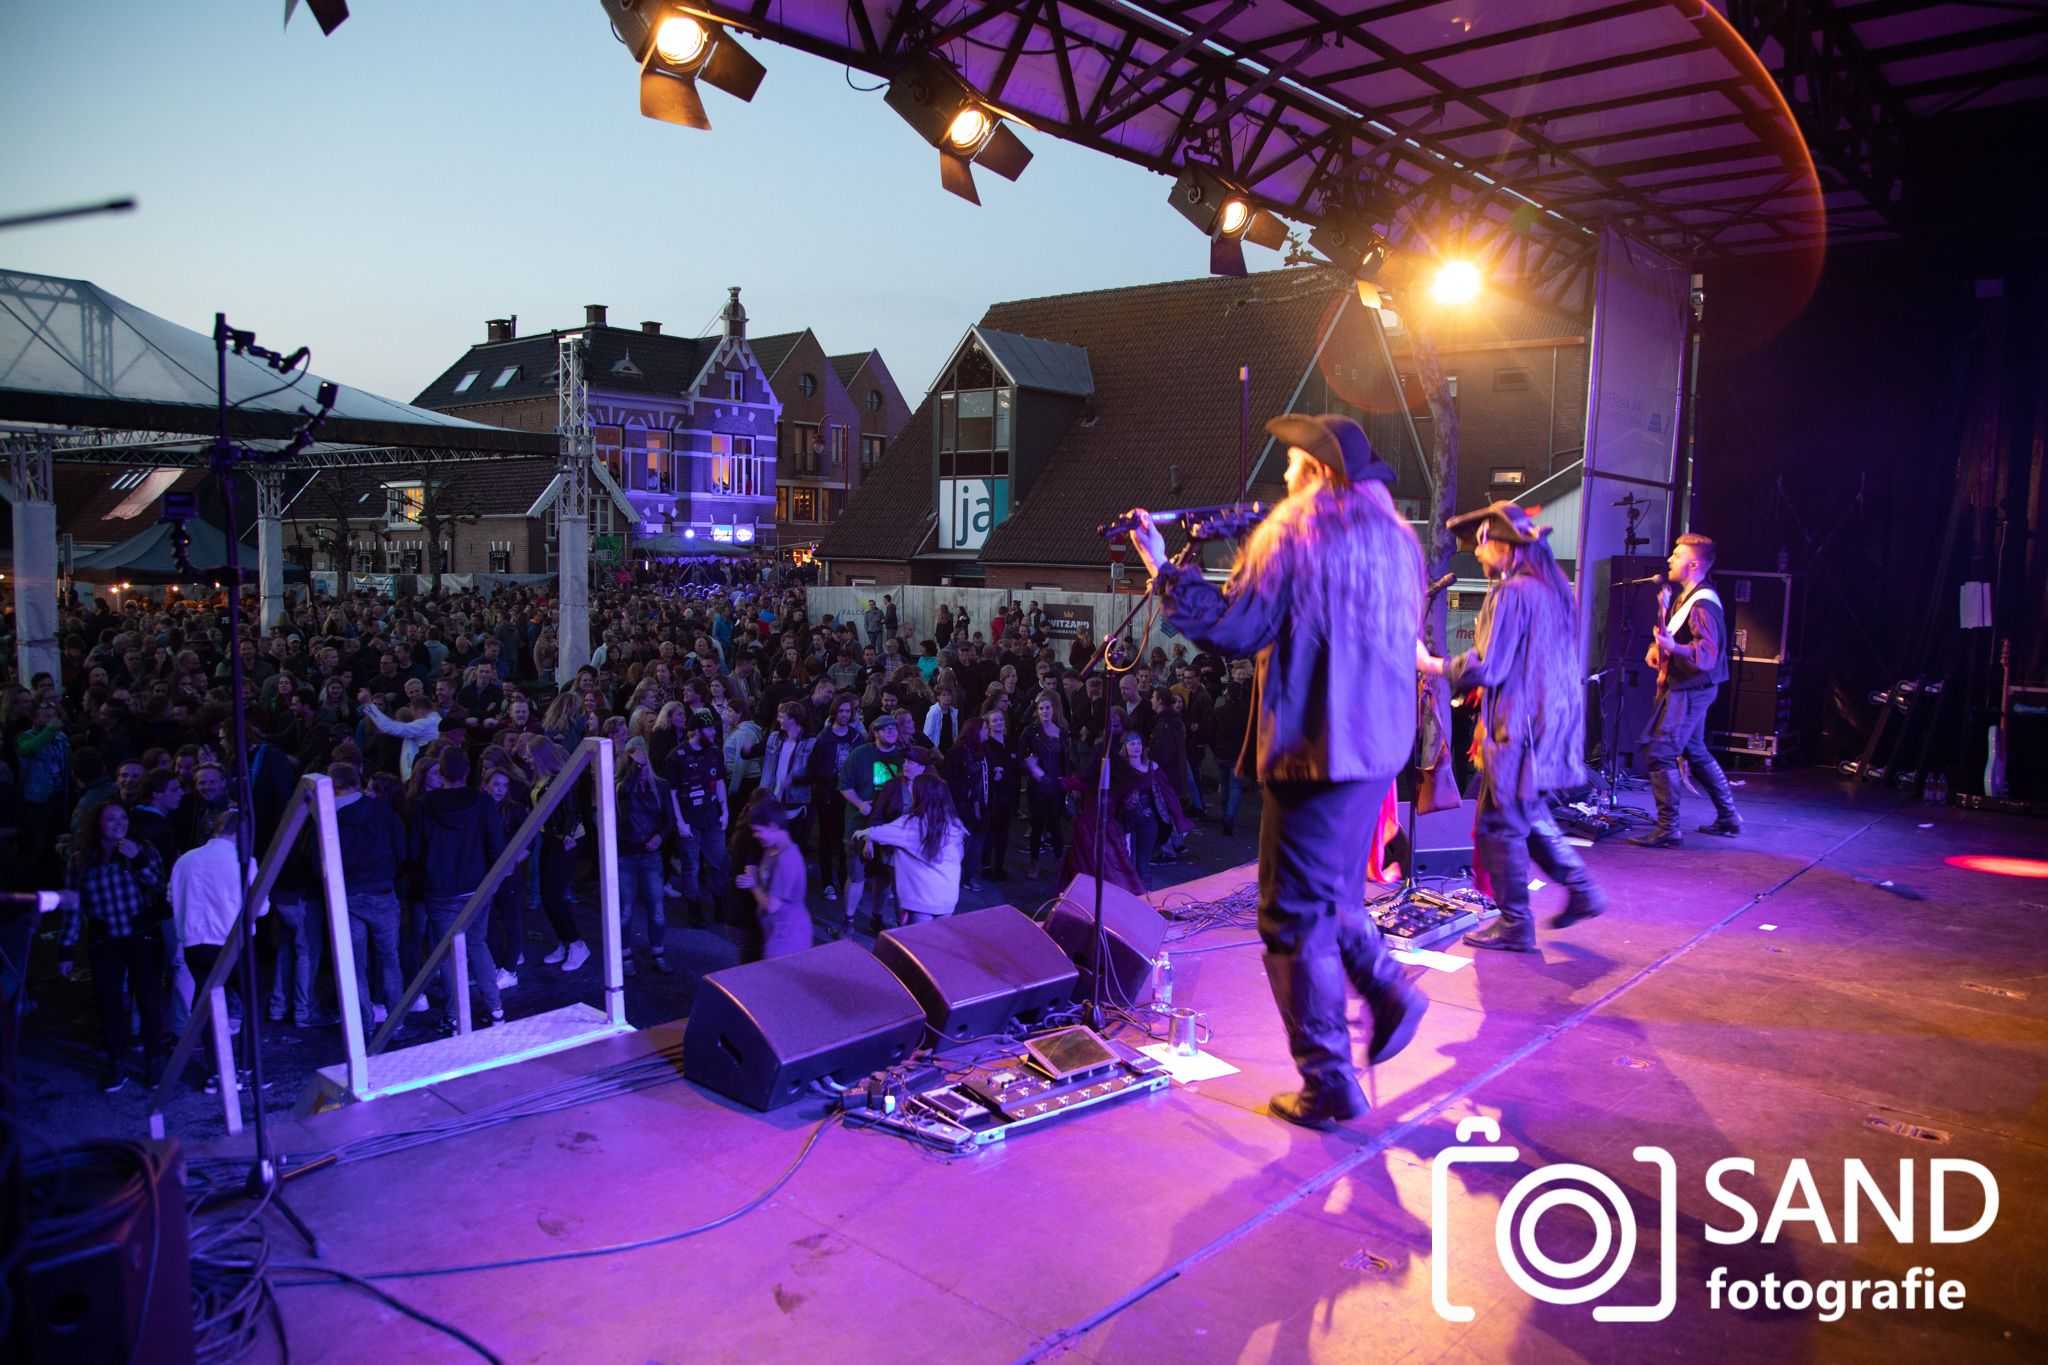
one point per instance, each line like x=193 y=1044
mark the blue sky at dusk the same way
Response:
x=377 y=194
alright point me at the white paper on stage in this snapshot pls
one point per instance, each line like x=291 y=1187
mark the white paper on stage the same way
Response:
x=1434 y=960
x=1187 y=1070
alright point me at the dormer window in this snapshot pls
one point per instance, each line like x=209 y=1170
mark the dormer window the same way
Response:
x=462 y=386
x=505 y=376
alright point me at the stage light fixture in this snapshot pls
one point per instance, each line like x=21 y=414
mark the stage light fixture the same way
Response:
x=678 y=48
x=1355 y=248
x=948 y=113
x=1455 y=283
x=1227 y=216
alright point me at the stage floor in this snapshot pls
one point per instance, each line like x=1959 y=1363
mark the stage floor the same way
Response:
x=1768 y=998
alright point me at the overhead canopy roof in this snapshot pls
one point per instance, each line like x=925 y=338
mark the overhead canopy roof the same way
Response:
x=1513 y=127
x=73 y=355
x=150 y=557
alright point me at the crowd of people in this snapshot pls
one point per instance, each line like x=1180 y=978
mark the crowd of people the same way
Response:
x=761 y=759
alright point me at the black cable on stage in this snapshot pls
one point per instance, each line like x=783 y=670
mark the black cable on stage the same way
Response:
x=362 y=1282
x=586 y=1253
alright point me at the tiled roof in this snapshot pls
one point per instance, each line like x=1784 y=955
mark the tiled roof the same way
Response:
x=892 y=513
x=847 y=366
x=1165 y=360
x=498 y=488
x=1164 y=363
x=1035 y=363
x=772 y=351
x=1496 y=320
x=622 y=360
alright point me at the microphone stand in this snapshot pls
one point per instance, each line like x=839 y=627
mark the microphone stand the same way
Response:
x=1412 y=892
x=1198 y=532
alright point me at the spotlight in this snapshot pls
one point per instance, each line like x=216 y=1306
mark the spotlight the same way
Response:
x=329 y=14
x=677 y=49
x=1456 y=283
x=948 y=113
x=1355 y=248
x=1227 y=216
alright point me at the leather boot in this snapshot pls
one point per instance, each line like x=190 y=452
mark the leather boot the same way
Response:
x=1562 y=864
x=1507 y=864
x=1665 y=833
x=1726 y=822
x=1310 y=994
x=1396 y=1005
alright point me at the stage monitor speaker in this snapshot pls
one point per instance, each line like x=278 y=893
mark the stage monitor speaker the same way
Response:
x=975 y=973
x=762 y=1032
x=1443 y=840
x=1756 y=699
x=117 y=1285
x=1135 y=931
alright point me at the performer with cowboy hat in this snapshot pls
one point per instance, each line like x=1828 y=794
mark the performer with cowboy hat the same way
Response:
x=1532 y=721
x=1326 y=595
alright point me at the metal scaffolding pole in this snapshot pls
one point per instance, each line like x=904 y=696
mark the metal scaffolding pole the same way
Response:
x=572 y=507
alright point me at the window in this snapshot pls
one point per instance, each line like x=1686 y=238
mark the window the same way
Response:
x=462 y=385
x=369 y=561
x=803 y=448
x=803 y=504
x=501 y=556
x=1514 y=476
x=607 y=441
x=505 y=376
x=1510 y=379
x=658 y=463
x=874 y=400
x=404 y=503
x=809 y=384
x=782 y=502
x=871 y=448
x=409 y=559
x=837 y=444
x=735 y=385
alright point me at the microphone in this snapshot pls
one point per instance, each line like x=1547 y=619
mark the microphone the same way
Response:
x=1637 y=582
x=1249 y=512
x=1441 y=584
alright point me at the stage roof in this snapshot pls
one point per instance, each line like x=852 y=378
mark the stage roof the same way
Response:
x=72 y=355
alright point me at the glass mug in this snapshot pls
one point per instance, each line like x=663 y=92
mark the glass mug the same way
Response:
x=1186 y=1032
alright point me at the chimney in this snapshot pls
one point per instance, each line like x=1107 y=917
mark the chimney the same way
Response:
x=498 y=329
x=735 y=316
x=593 y=315
x=652 y=329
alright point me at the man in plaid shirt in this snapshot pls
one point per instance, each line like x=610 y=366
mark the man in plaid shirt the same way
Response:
x=120 y=883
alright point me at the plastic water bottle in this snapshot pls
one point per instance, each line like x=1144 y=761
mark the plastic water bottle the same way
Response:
x=1162 y=984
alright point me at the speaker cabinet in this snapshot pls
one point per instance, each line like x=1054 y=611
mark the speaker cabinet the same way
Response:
x=1134 y=930
x=760 y=1033
x=975 y=973
x=1443 y=840
x=121 y=1288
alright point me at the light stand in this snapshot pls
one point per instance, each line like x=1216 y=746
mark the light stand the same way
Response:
x=262 y=1183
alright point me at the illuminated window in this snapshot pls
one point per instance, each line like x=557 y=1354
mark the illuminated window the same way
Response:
x=607 y=440
x=1508 y=476
x=404 y=503
x=658 y=462
x=803 y=504
x=781 y=502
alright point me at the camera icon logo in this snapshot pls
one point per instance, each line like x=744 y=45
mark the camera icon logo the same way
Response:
x=1564 y=1185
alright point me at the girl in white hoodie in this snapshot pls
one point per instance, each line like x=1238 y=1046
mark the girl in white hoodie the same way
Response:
x=929 y=841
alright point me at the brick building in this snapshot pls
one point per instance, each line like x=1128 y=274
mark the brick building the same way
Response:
x=1052 y=415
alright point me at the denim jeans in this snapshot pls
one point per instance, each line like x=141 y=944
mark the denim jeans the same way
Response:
x=300 y=946
x=706 y=867
x=177 y=999
x=476 y=940
x=1191 y=790
x=640 y=890
x=1233 y=789
x=373 y=929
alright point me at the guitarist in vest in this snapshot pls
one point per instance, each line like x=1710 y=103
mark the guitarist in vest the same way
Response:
x=1690 y=654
